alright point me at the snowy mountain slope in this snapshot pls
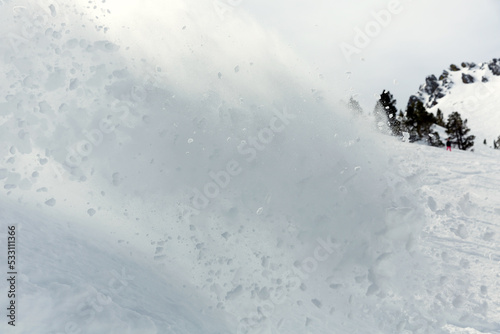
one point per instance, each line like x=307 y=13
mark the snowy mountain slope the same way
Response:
x=73 y=281
x=472 y=90
x=461 y=235
x=219 y=160
x=455 y=288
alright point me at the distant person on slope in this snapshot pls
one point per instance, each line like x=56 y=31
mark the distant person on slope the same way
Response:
x=448 y=144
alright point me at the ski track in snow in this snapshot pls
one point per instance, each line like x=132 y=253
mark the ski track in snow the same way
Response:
x=461 y=235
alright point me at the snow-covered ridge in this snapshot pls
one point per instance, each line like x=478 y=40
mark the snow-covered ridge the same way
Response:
x=472 y=90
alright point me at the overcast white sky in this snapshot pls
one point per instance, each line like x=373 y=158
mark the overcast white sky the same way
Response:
x=424 y=37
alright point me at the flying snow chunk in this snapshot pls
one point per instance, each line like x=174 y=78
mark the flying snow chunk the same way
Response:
x=50 y=202
x=106 y=46
x=316 y=302
x=53 y=11
x=233 y=294
x=431 y=203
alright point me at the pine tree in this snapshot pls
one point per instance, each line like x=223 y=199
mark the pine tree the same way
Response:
x=386 y=112
x=419 y=122
x=496 y=143
x=434 y=139
x=411 y=121
x=440 y=118
x=381 y=118
x=458 y=130
x=354 y=106
x=401 y=116
x=401 y=119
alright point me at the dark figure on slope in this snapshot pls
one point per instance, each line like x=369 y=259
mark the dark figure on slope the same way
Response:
x=448 y=144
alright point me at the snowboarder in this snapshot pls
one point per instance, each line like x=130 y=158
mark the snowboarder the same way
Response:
x=448 y=144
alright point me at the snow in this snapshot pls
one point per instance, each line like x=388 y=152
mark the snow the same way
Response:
x=202 y=181
x=477 y=102
x=462 y=214
x=72 y=282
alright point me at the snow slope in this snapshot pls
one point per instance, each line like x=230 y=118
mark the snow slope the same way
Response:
x=472 y=90
x=201 y=181
x=461 y=235
x=72 y=281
